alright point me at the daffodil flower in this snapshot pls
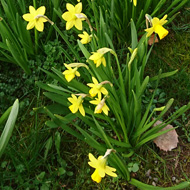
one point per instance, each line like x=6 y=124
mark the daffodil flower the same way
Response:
x=76 y=104
x=70 y=73
x=97 y=88
x=101 y=105
x=157 y=27
x=86 y=38
x=134 y=2
x=100 y=167
x=35 y=18
x=73 y=16
x=98 y=57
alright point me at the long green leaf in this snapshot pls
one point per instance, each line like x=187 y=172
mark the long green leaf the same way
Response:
x=6 y=134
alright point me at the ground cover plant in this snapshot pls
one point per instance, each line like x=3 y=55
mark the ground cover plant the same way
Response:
x=119 y=121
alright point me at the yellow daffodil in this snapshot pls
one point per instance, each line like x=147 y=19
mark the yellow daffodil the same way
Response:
x=100 y=167
x=35 y=18
x=76 y=104
x=73 y=16
x=98 y=57
x=101 y=106
x=157 y=27
x=86 y=38
x=96 y=88
x=70 y=73
x=135 y=3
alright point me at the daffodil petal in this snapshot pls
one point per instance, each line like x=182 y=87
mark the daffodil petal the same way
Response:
x=70 y=8
x=30 y=25
x=39 y=26
x=110 y=171
x=71 y=107
x=67 y=16
x=104 y=91
x=28 y=17
x=95 y=102
x=92 y=158
x=155 y=21
x=70 y=100
x=77 y=74
x=98 y=63
x=78 y=8
x=105 y=109
x=94 y=80
x=90 y=85
x=70 y=24
x=101 y=173
x=81 y=109
x=78 y=24
x=149 y=31
x=92 y=164
x=104 y=61
x=69 y=77
x=41 y=10
x=32 y=10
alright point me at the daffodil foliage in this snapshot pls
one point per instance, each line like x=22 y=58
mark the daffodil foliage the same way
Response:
x=99 y=100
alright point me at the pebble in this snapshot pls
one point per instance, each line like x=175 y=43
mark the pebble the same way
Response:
x=173 y=178
x=153 y=183
x=155 y=179
x=148 y=173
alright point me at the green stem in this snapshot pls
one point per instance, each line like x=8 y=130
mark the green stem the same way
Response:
x=34 y=3
x=36 y=40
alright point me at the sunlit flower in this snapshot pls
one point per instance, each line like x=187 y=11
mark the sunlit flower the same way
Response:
x=100 y=167
x=35 y=18
x=86 y=38
x=73 y=16
x=98 y=57
x=135 y=3
x=101 y=105
x=76 y=104
x=157 y=27
x=70 y=73
x=96 y=88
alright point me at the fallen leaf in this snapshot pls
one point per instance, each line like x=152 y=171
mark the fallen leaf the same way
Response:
x=151 y=40
x=167 y=141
